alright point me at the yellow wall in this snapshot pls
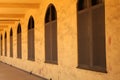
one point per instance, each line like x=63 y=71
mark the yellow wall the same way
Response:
x=67 y=43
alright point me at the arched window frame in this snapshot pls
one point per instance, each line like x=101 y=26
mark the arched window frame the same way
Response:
x=31 y=46
x=51 y=54
x=19 y=42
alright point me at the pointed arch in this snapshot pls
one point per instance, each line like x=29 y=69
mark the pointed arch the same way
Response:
x=19 y=28
x=31 y=23
x=51 y=14
x=11 y=32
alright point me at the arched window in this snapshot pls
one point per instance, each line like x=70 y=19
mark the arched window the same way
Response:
x=5 y=43
x=31 y=52
x=51 y=35
x=91 y=35
x=1 y=45
x=19 y=47
x=11 y=43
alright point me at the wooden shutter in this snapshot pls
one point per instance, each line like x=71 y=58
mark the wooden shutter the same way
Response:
x=48 y=42
x=83 y=39
x=19 y=51
x=5 y=44
x=51 y=35
x=31 y=55
x=1 y=46
x=5 y=47
x=54 y=41
x=98 y=27
x=11 y=46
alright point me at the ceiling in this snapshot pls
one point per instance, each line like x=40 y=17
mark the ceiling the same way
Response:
x=13 y=10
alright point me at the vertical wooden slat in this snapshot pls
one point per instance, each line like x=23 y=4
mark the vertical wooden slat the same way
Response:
x=5 y=44
x=31 y=55
x=29 y=48
x=1 y=46
x=83 y=39
x=19 y=54
x=47 y=42
x=5 y=47
x=32 y=44
x=54 y=41
x=98 y=25
x=11 y=46
x=18 y=46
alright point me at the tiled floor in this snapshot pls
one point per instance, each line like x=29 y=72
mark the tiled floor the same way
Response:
x=10 y=73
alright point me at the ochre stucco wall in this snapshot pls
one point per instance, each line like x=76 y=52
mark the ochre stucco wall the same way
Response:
x=67 y=43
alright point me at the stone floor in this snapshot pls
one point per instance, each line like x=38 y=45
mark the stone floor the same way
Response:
x=8 y=72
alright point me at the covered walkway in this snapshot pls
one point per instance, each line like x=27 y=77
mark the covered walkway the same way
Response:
x=8 y=72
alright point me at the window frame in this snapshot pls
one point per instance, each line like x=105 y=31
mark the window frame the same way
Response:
x=52 y=19
x=31 y=25
x=19 y=42
x=89 y=8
